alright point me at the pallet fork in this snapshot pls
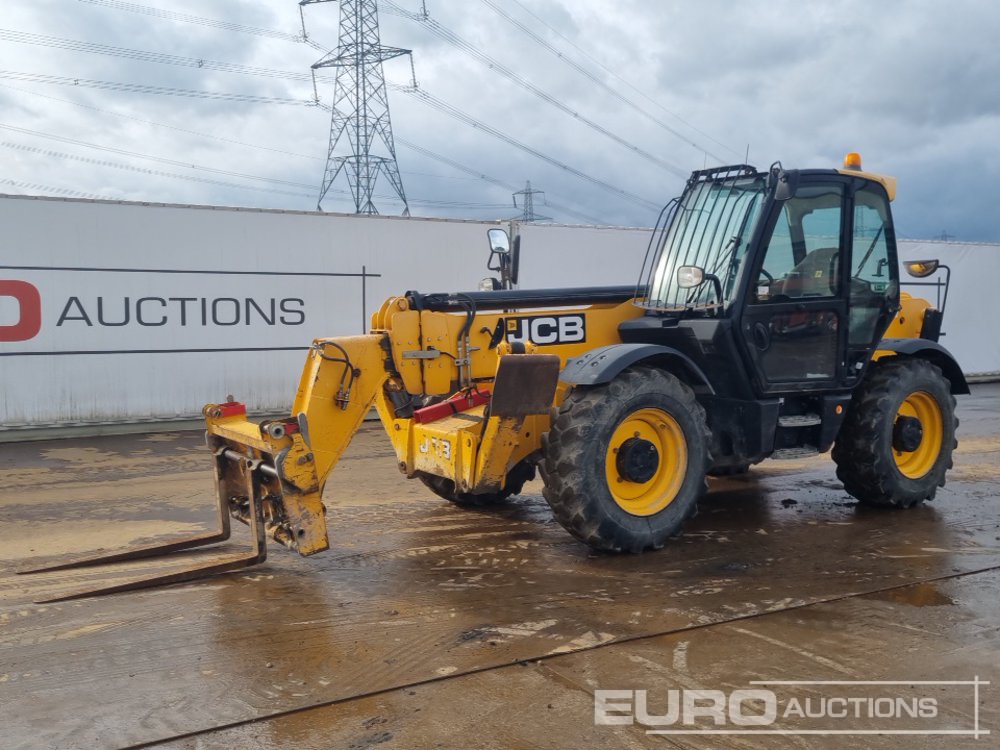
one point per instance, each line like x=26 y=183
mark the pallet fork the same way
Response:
x=271 y=475
x=248 y=507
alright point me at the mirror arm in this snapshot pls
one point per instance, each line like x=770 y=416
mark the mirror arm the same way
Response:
x=717 y=284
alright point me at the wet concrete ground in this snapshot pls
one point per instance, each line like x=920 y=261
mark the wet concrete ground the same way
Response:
x=429 y=626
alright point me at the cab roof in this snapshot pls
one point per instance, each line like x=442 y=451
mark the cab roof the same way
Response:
x=889 y=183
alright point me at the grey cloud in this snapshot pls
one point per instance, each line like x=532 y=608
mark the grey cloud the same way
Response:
x=911 y=84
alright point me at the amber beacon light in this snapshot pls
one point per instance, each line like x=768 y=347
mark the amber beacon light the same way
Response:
x=853 y=161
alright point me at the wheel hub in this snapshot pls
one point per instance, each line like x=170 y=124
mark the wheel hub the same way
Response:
x=645 y=462
x=907 y=434
x=637 y=460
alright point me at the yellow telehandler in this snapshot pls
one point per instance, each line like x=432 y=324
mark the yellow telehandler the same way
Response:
x=768 y=322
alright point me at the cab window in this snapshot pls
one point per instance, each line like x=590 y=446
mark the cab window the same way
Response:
x=871 y=281
x=803 y=255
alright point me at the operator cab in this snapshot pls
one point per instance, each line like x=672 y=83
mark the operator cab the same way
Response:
x=788 y=275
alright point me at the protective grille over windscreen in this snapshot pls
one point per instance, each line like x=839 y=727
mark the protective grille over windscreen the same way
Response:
x=708 y=228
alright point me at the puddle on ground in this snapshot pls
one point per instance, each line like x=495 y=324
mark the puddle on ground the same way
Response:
x=918 y=595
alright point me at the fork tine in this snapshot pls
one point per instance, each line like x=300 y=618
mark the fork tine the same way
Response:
x=257 y=555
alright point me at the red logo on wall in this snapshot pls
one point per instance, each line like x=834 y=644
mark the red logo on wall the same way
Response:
x=29 y=321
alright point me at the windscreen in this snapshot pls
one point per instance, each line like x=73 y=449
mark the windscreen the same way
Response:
x=708 y=227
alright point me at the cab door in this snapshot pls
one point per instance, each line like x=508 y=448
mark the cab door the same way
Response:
x=873 y=276
x=795 y=316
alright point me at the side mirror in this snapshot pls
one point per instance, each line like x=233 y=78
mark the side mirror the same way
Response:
x=499 y=241
x=689 y=277
x=515 y=261
x=785 y=184
x=921 y=269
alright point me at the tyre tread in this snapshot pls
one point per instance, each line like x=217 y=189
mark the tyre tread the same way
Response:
x=867 y=473
x=574 y=424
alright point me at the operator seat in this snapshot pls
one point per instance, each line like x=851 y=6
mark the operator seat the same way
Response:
x=817 y=275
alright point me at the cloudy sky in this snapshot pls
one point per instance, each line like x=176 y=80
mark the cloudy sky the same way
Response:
x=627 y=97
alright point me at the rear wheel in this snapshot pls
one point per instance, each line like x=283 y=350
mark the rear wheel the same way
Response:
x=624 y=463
x=445 y=488
x=895 y=446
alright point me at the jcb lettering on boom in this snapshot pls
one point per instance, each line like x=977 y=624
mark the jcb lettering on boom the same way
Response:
x=547 y=330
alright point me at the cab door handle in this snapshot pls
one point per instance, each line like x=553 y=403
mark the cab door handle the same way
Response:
x=761 y=336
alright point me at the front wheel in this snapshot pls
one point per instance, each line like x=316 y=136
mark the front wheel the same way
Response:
x=896 y=443
x=624 y=463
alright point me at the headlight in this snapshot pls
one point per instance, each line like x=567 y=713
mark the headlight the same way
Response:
x=489 y=284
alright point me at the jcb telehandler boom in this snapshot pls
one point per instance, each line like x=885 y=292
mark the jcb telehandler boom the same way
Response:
x=768 y=322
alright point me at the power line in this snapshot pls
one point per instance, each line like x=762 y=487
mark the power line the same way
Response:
x=211 y=136
x=226 y=67
x=479 y=175
x=619 y=78
x=142 y=170
x=593 y=78
x=209 y=22
x=137 y=88
x=48 y=188
x=53 y=42
x=457 y=114
x=454 y=39
x=148 y=157
x=390 y=8
x=184 y=18
x=192 y=62
x=191 y=178
x=474 y=174
x=22 y=37
x=133 y=118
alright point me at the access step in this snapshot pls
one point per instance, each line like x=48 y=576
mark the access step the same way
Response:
x=800 y=420
x=787 y=454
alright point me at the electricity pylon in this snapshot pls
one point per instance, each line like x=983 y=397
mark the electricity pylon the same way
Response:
x=527 y=206
x=361 y=142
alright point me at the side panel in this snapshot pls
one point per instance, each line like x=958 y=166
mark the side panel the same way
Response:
x=431 y=339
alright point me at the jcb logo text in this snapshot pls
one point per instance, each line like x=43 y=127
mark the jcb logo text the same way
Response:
x=547 y=330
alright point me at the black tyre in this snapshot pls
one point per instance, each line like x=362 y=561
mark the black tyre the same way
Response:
x=445 y=488
x=624 y=463
x=896 y=443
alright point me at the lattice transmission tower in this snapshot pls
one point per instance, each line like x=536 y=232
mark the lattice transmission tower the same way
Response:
x=527 y=204
x=361 y=143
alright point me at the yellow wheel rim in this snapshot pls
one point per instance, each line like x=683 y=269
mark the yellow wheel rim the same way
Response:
x=924 y=407
x=664 y=433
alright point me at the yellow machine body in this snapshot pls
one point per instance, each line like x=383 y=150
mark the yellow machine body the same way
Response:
x=416 y=352
x=625 y=398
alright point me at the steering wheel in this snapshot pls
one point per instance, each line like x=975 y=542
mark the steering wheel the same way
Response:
x=770 y=278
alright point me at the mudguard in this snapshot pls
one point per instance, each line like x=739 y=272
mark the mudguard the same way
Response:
x=602 y=365
x=933 y=352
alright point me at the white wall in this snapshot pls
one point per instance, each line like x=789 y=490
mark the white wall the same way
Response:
x=187 y=274
x=970 y=334
x=554 y=256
